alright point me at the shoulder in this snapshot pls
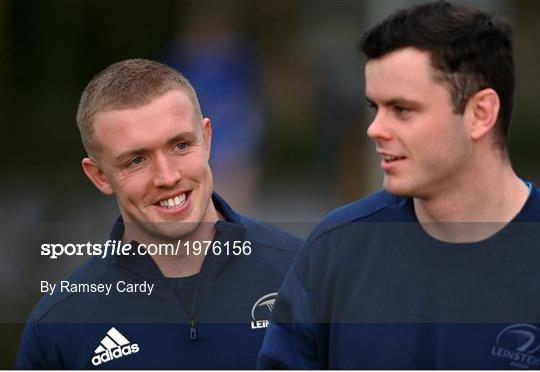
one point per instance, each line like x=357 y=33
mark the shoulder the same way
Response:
x=344 y=236
x=269 y=236
x=257 y=232
x=344 y=231
x=380 y=206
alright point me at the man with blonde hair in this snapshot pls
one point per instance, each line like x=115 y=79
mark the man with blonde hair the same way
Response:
x=187 y=282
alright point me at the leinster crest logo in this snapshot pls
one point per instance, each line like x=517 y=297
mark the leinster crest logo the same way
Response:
x=260 y=312
x=519 y=344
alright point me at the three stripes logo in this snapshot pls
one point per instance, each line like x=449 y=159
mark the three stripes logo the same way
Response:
x=113 y=346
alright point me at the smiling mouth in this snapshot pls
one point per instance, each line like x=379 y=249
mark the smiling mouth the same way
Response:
x=174 y=202
x=390 y=158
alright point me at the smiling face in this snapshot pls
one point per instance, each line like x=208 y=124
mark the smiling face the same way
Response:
x=154 y=160
x=424 y=146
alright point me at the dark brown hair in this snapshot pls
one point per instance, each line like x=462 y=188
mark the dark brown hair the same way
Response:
x=470 y=50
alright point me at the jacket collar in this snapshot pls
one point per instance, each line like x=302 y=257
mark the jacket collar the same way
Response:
x=229 y=229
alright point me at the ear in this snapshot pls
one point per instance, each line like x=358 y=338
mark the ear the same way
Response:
x=483 y=111
x=96 y=175
x=207 y=136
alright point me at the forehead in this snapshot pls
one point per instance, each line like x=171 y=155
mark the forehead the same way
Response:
x=406 y=70
x=172 y=104
x=163 y=117
x=172 y=100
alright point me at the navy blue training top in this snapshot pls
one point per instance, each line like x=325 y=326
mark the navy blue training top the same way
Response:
x=222 y=330
x=371 y=289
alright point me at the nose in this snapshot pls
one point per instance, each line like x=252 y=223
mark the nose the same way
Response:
x=378 y=129
x=167 y=173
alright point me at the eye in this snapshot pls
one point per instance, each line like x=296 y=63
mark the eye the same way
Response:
x=372 y=106
x=401 y=109
x=136 y=161
x=372 y=109
x=181 y=146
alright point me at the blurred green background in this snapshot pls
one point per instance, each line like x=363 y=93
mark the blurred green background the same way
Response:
x=292 y=74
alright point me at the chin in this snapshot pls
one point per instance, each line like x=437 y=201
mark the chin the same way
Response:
x=395 y=188
x=174 y=230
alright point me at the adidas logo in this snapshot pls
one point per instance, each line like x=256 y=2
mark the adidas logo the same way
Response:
x=113 y=346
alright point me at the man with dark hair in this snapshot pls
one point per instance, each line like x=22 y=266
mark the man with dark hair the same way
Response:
x=439 y=270
x=193 y=282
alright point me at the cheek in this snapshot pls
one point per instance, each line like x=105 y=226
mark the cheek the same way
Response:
x=196 y=167
x=445 y=152
x=206 y=180
x=427 y=149
x=130 y=186
x=207 y=176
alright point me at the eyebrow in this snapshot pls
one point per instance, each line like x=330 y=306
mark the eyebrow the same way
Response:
x=189 y=137
x=183 y=137
x=396 y=101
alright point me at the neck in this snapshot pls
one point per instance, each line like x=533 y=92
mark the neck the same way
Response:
x=475 y=210
x=188 y=258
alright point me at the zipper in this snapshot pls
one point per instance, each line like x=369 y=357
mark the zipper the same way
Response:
x=194 y=314
x=193 y=331
x=193 y=317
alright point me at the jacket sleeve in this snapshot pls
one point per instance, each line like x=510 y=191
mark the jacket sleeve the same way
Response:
x=36 y=353
x=293 y=338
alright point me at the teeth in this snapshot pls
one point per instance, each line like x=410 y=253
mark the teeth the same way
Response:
x=391 y=158
x=175 y=202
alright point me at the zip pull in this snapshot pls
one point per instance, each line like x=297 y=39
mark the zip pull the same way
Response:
x=192 y=331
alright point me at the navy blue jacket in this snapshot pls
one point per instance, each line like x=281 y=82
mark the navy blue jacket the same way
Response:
x=223 y=330
x=371 y=289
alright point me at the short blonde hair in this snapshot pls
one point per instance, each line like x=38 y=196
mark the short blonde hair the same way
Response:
x=127 y=84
